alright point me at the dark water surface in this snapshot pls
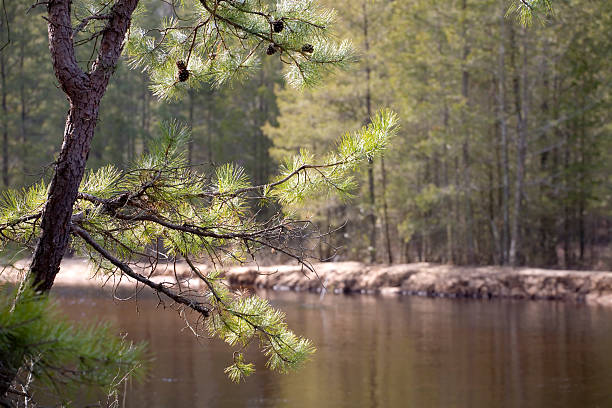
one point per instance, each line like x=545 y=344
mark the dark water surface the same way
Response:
x=381 y=352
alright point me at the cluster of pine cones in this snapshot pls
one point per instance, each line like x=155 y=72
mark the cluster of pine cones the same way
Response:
x=277 y=27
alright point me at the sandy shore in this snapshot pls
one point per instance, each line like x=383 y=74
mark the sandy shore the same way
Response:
x=426 y=279
x=422 y=279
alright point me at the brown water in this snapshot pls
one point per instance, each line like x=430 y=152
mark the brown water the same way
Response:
x=382 y=352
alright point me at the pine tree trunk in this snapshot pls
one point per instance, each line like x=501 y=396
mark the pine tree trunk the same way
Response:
x=70 y=166
x=503 y=129
x=547 y=218
x=567 y=250
x=190 y=144
x=450 y=258
x=520 y=95
x=467 y=181
x=145 y=114
x=5 y=175
x=368 y=102
x=582 y=179
x=494 y=247
x=23 y=103
x=84 y=93
x=386 y=211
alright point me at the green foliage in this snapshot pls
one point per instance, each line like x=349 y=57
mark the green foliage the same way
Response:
x=102 y=182
x=221 y=42
x=241 y=318
x=335 y=174
x=438 y=65
x=17 y=209
x=160 y=199
x=61 y=356
x=239 y=369
x=526 y=10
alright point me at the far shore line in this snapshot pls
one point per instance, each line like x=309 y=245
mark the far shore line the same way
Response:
x=423 y=279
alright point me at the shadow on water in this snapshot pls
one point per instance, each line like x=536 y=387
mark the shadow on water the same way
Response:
x=380 y=352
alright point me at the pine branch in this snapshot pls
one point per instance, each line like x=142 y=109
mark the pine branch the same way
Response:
x=20 y=220
x=189 y=228
x=158 y=287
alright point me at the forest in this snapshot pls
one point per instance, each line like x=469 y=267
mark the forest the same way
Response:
x=503 y=155
x=214 y=151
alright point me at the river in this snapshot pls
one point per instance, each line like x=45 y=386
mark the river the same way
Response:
x=380 y=352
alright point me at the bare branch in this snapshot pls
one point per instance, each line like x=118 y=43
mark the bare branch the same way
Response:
x=20 y=221
x=86 y=21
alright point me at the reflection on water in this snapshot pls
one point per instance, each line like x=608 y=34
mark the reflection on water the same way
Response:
x=382 y=352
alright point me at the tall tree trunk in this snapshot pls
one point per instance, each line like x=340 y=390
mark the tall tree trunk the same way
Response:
x=568 y=182
x=23 y=102
x=450 y=217
x=190 y=143
x=465 y=148
x=84 y=93
x=145 y=113
x=386 y=211
x=547 y=218
x=458 y=252
x=520 y=97
x=368 y=102
x=503 y=130
x=209 y=132
x=582 y=179
x=495 y=250
x=5 y=155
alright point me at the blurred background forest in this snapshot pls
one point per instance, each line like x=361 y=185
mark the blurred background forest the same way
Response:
x=504 y=155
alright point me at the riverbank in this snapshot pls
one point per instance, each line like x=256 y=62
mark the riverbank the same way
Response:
x=426 y=279
x=423 y=279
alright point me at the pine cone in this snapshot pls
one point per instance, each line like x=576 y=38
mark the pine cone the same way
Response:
x=183 y=75
x=307 y=48
x=181 y=65
x=278 y=26
x=271 y=49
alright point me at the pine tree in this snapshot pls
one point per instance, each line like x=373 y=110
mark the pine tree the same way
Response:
x=160 y=198
x=115 y=216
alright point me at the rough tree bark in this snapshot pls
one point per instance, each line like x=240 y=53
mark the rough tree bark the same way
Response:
x=84 y=92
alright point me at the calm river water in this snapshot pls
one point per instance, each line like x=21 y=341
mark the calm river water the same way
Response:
x=381 y=352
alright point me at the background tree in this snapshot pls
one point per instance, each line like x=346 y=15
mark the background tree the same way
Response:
x=426 y=191
x=308 y=120
x=475 y=176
